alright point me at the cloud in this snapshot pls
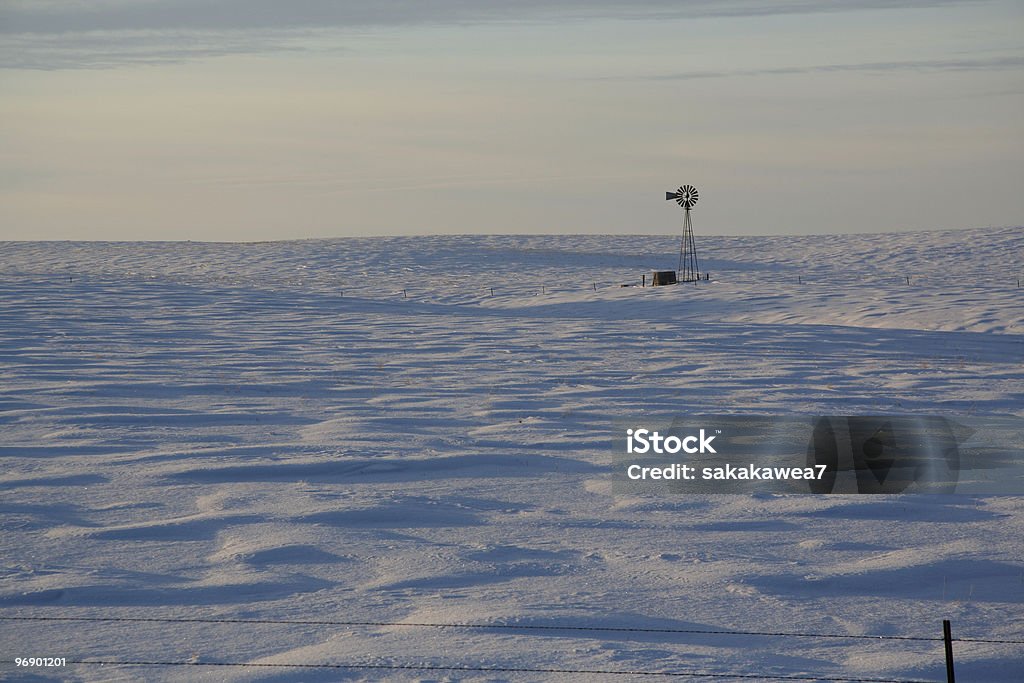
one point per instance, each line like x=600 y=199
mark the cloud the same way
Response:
x=988 y=64
x=62 y=34
x=61 y=16
x=106 y=50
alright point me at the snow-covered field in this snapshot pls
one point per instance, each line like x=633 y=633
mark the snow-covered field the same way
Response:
x=276 y=431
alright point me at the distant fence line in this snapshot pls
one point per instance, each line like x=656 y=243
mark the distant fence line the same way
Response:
x=408 y=288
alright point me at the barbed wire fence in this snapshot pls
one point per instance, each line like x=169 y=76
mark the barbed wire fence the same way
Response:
x=946 y=639
x=383 y=285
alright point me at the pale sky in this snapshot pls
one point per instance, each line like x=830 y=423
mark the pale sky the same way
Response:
x=262 y=119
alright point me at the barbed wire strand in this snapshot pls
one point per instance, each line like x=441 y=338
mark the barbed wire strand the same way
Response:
x=502 y=669
x=511 y=627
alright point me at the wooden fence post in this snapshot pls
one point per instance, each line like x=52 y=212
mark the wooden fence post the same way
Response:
x=947 y=636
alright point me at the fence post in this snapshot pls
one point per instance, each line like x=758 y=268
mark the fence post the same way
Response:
x=947 y=636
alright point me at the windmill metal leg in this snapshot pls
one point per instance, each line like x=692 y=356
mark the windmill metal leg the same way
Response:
x=693 y=267
x=682 y=248
x=693 y=252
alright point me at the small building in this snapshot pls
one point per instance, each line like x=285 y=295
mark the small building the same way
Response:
x=663 y=277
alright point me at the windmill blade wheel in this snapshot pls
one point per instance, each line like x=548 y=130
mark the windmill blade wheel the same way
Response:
x=686 y=196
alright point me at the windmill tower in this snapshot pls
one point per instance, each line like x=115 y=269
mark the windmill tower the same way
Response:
x=688 y=270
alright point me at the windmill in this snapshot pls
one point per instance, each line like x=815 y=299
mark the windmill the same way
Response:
x=688 y=270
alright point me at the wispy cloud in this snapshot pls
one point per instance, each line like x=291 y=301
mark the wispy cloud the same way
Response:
x=61 y=34
x=986 y=64
x=107 y=50
x=58 y=16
